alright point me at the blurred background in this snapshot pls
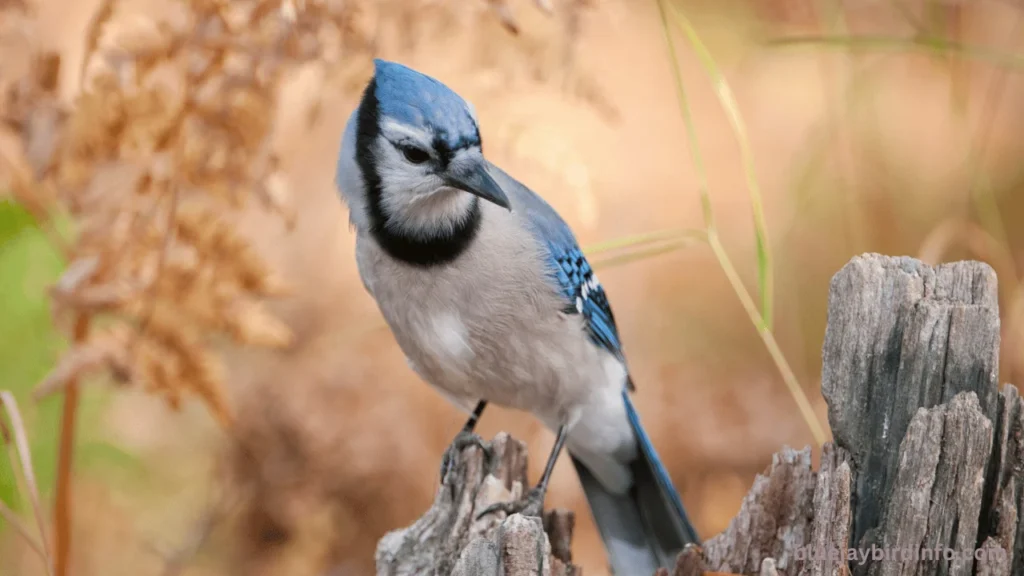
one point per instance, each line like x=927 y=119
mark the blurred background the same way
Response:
x=891 y=127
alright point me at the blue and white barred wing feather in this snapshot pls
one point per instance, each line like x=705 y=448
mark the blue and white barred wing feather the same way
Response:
x=585 y=296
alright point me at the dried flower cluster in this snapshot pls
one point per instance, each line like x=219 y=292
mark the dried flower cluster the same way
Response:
x=167 y=139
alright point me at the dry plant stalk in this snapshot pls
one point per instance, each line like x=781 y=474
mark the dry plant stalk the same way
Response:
x=16 y=439
x=168 y=137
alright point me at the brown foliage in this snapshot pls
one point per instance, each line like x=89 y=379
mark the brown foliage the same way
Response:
x=167 y=137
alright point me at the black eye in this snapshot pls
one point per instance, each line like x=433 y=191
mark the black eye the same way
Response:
x=414 y=154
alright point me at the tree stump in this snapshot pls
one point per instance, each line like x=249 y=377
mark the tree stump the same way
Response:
x=925 y=475
x=451 y=539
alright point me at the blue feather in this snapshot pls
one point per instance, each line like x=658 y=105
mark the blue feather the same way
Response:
x=660 y=473
x=417 y=100
x=584 y=294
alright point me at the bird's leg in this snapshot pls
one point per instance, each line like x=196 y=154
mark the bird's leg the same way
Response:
x=532 y=503
x=463 y=439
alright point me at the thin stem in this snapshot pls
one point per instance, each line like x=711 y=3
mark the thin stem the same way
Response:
x=641 y=239
x=641 y=254
x=769 y=341
x=62 y=512
x=765 y=264
x=20 y=435
x=11 y=518
x=19 y=480
x=723 y=258
x=921 y=43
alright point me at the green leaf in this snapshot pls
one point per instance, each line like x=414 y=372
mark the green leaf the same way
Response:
x=28 y=342
x=13 y=219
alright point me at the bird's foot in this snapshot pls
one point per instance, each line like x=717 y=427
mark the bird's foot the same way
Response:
x=531 y=504
x=463 y=439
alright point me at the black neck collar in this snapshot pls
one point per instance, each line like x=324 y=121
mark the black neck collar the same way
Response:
x=437 y=250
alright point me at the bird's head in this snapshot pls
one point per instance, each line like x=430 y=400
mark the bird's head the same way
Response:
x=411 y=158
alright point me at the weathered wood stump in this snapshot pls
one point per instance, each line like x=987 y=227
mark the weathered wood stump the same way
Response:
x=451 y=539
x=925 y=475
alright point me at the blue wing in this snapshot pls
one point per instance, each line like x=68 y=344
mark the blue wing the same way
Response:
x=585 y=296
x=570 y=272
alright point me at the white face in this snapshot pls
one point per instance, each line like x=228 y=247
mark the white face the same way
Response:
x=414 y=194
x=406 y=161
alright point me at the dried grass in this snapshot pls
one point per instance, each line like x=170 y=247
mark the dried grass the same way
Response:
x=15 y=437
x=168 y=137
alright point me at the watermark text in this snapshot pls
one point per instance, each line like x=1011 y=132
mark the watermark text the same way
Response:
x=885 y=554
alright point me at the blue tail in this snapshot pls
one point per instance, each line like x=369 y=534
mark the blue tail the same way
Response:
x=646 y=528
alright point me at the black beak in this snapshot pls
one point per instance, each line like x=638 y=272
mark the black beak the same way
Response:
x=475 y=179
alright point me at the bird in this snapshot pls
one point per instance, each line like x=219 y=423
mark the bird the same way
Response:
x=492 y=301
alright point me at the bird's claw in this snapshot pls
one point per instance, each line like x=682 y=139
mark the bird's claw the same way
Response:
x=531 y=504
x=462 y=440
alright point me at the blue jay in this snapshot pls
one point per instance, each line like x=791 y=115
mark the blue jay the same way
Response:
x=491 y=300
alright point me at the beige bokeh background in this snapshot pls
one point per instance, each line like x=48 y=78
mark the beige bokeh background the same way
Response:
x=338 y=441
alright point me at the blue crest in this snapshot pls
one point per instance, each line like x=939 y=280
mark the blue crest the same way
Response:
x=418 y=100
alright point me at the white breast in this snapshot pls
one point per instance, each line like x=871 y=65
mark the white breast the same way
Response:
x=467 y=333
x=446 y=336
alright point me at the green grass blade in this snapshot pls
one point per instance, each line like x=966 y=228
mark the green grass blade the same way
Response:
x=727 y=98
x=803 y=404
x=642 y=254
x=627 y=242
x=919 y=43
x=691 y=132
x=19 y=439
